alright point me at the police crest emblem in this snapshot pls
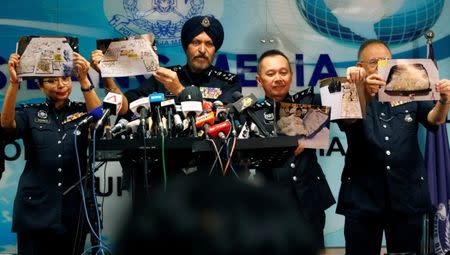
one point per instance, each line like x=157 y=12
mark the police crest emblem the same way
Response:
x=163 y=18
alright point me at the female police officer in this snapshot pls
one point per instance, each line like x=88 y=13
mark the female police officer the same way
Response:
x=46 y=221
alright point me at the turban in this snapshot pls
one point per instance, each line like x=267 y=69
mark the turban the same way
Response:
x=198 y=24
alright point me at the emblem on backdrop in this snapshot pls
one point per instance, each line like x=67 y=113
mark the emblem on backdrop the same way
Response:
x=163 y=18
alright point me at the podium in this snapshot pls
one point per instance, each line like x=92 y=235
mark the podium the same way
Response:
x=187 y=156
x=257 y=152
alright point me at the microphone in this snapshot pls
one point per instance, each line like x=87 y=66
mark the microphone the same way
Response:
x=93 y=115
x=111 y=106
x=244 y=104
x=155 y=101
x=138 y=105
x=113 y=101
x=241 y=103
x=220 y=130
x=220 y=110
x=121 y=124
x=172 y=119
x=140 y=108
x=205 y=120
x=191 y=104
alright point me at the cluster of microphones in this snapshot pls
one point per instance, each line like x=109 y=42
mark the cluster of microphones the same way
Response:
x=186 y=116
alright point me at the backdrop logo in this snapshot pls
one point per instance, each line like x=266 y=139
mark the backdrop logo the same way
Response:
x=395 y=22
x=164 y=18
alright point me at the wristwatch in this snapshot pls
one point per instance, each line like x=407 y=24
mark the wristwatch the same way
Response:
x=88 y=89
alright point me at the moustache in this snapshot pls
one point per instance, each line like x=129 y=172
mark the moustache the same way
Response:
x=201 y=56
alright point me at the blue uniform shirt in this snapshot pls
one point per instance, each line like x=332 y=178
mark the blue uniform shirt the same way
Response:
x=51 y=166
x=302 y=176
x=384 y=169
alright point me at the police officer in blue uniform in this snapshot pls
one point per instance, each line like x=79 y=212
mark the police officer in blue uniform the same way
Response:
x=201 y=38
x=301 y=175
x=46 y=220
x=384 y=186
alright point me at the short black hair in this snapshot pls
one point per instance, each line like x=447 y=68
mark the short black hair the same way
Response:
x=369 y=42
x=271 y=53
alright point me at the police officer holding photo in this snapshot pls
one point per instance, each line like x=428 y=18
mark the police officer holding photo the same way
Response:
x=46 y=220
x=300 y=176
x=201 y=38
x=384 y=186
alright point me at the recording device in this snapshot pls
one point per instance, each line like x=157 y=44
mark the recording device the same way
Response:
x=94 y=115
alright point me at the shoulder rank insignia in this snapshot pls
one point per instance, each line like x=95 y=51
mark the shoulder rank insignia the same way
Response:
x=304 y=93
x=222 y=75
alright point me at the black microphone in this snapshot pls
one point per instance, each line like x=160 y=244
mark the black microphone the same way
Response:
x=244 y=104
x=191 y=104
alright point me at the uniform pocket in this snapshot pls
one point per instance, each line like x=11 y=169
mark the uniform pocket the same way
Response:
x=34 y=197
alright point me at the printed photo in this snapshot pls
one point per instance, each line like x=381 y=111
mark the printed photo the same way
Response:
x=309 y=122
x=408 y=80
x=342 y=97
x=42 y=56
x=128 y=56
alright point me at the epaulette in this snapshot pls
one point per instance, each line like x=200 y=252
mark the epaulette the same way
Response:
x=32 y=105
x=76 y=104
x=304 y=93
x=262 y=103
x=176 y=68
x=222 y=75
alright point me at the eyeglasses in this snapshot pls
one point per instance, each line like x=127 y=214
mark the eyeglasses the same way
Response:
x=373 y=62
x=53 y=81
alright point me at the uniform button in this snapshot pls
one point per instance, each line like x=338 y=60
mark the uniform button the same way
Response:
x=318 y=177
x=382 y=114
x=40 y=126
x=384 y=126
x=388 y=167
x=294 y=178
x=388 y=152
x=386 y=138
x=29 y=198
x=59 y=169
x=406 y=111
x=292 y=165
x=59 y=130
x=349 y=179
x=421 y=178
x=59 y=184
x=59 y=142
x=59 y=155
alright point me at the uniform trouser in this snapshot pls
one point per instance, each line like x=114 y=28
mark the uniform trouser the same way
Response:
x=363 y=235
x=49 y=242
x=317 y=223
